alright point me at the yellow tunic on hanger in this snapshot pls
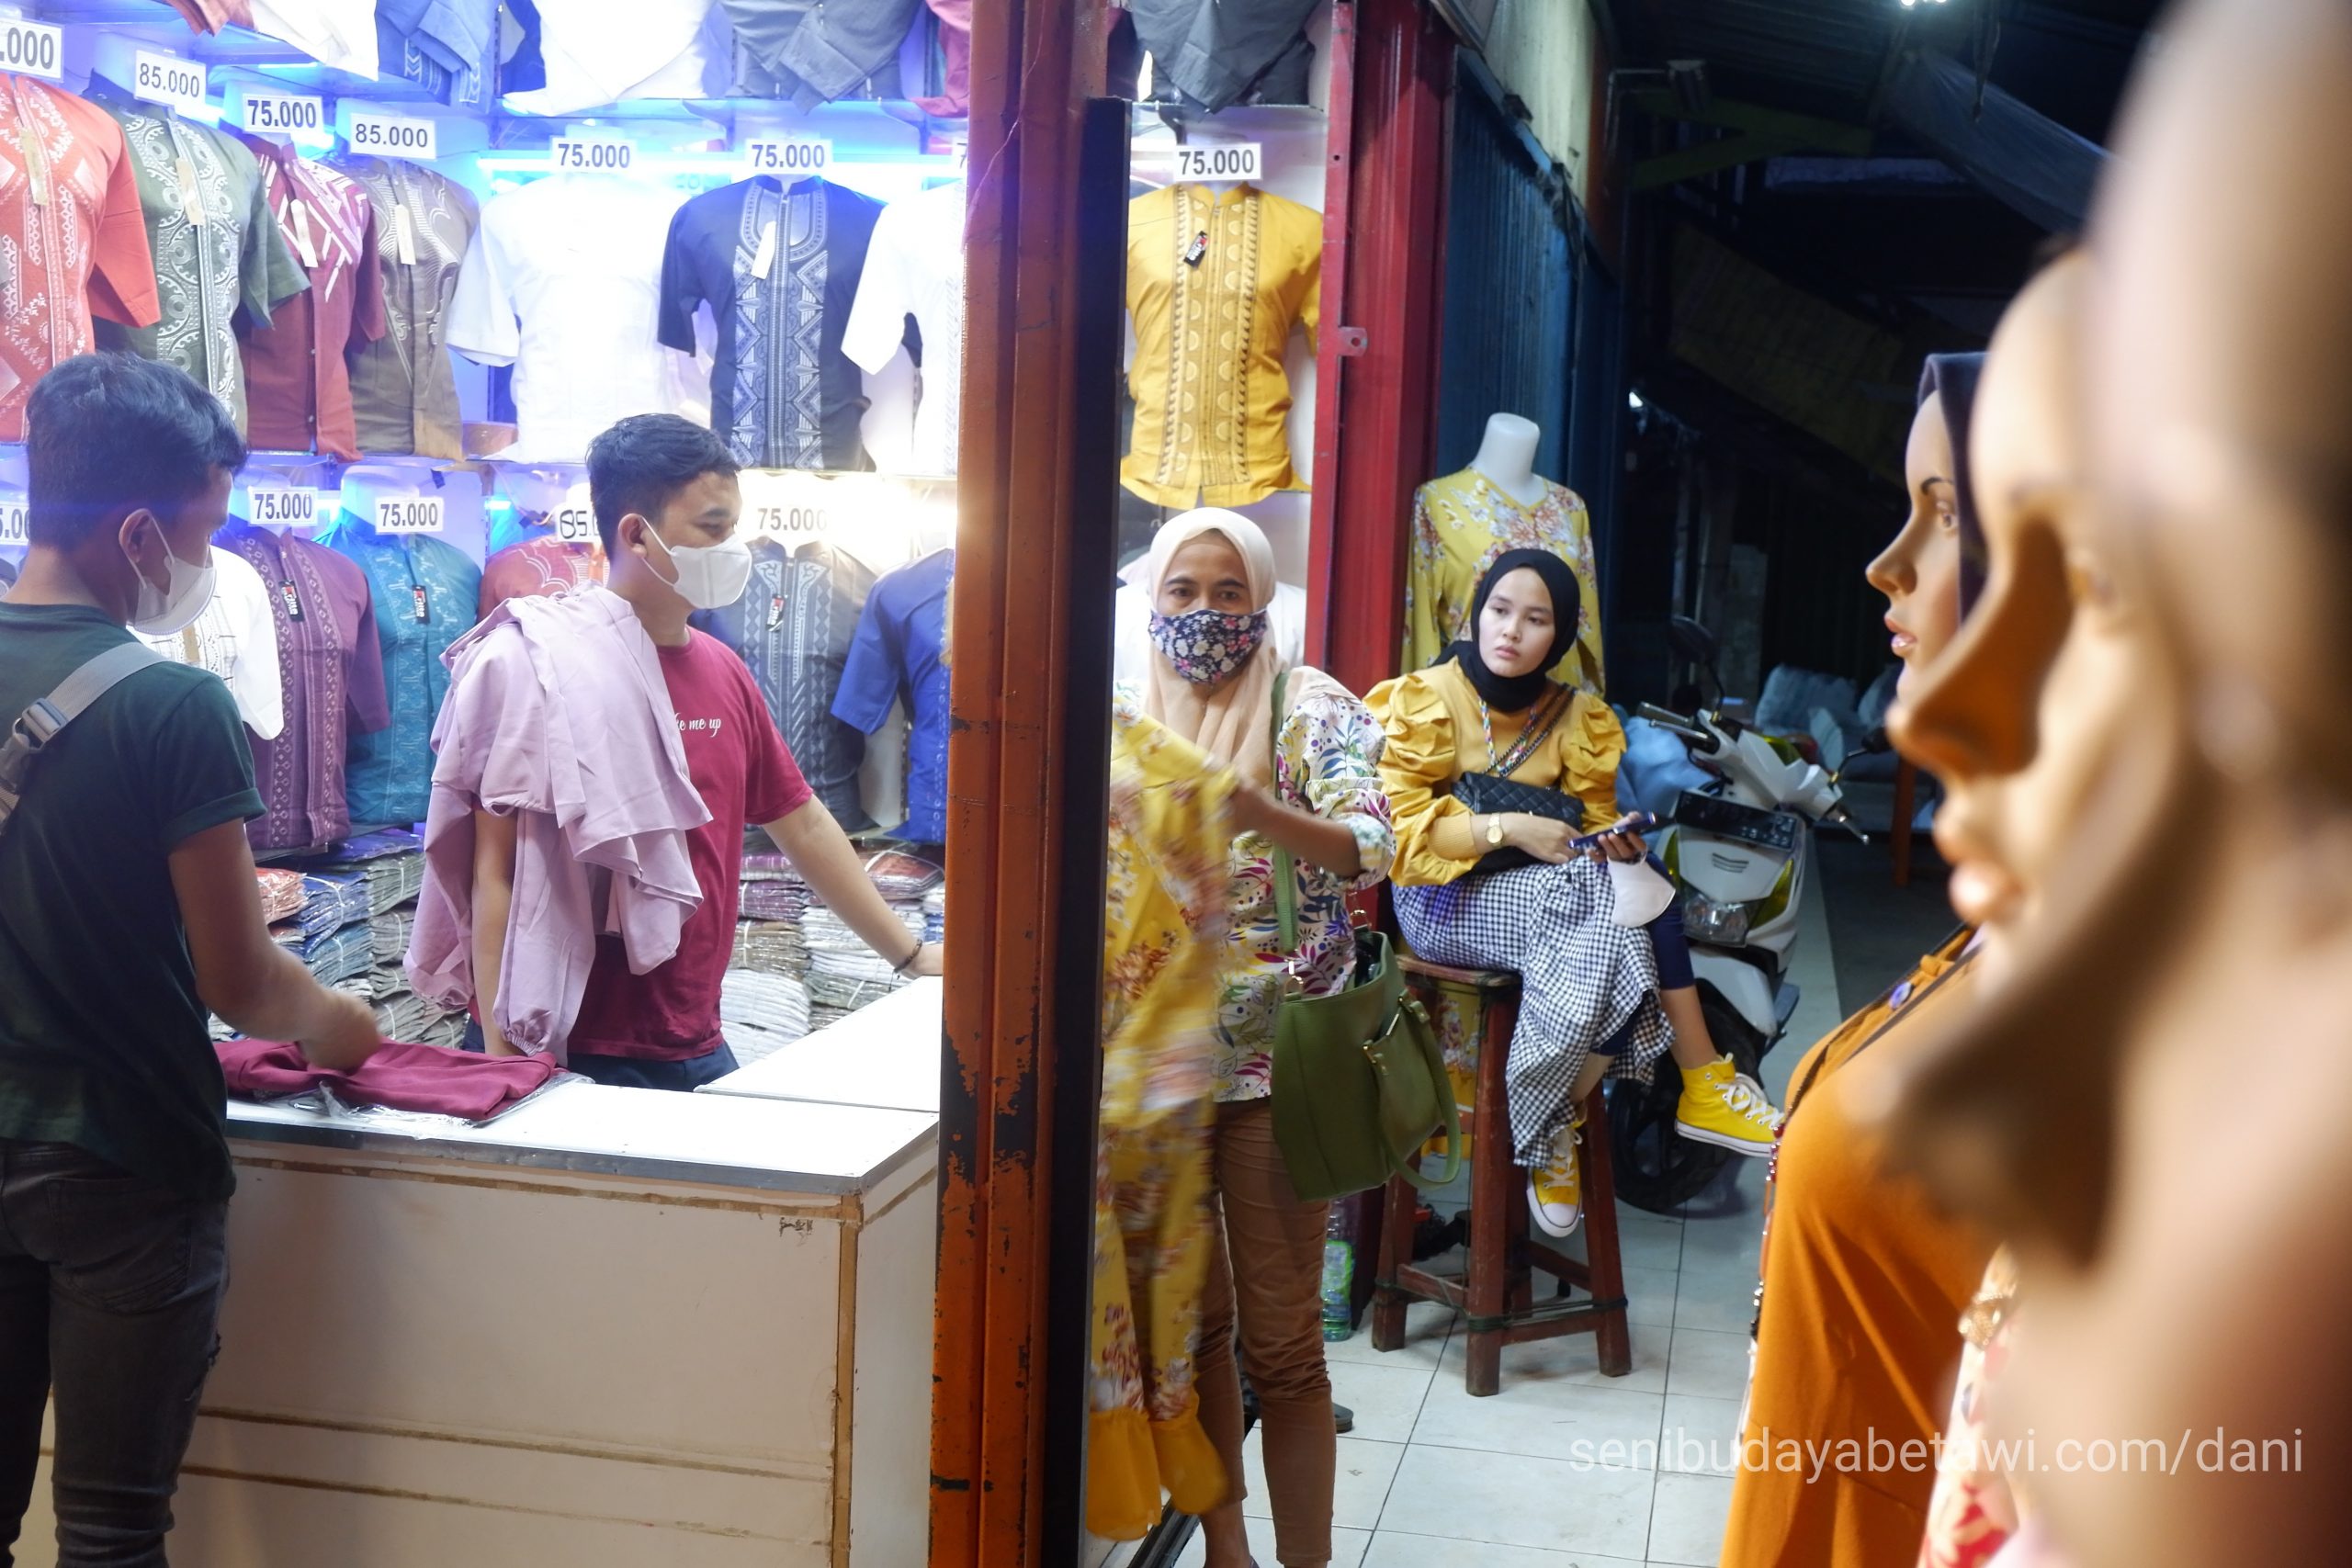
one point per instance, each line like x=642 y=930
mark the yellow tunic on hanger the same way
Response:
x=1215 y=283
x=1462 y=523
x=1163 y=968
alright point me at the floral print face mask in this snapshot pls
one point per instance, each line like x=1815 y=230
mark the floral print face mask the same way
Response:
x=1206 y=646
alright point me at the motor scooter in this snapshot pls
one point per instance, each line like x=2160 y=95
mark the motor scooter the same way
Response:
x=1734 y=836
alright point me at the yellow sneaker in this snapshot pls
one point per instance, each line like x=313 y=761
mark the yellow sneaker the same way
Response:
x=1555 y=1189
x=1721 y=1107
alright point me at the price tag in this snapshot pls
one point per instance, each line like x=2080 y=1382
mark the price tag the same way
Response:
x=395 y=136
x=789 y=157
x=167 y=79
x=14 y=532
x=574 y=523
x=592 y=155
x=796 y=507
x=284 y=114
x=32 y=49
x=416 y=515
x=1243 y=163
x=282 y=506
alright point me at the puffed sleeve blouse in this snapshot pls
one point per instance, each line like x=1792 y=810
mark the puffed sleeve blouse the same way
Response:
x=1436 y=732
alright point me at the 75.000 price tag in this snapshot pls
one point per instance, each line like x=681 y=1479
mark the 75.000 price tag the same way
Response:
x=32 y=49
x=284 y=112
x=789 y=157
x=596 y=154
x=1244 y=162
x=395 y=136
x=282 y=506
x=13 y=530
x=416 y=514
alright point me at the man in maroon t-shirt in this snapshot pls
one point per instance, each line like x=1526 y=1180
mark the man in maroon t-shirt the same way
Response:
x=666 y=503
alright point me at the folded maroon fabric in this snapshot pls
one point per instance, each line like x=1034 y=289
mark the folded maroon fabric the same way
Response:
x=399 y=1077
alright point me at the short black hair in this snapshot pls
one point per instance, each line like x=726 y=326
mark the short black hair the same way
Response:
x=107 y=434
x=641 y=463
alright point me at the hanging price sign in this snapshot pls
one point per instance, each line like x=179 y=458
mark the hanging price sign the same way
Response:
x=167 y=79
x=592 y=155
x=395 y=136
x=415 y=514
x=284 y=114
x=13 y=531
x=32 y=49
x=574 y=523
x=789 y=157
x=282 y=506
x=1245 y=162
x=796 y=507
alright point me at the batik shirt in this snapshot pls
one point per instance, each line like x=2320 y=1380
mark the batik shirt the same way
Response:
x=562 y=283
x=298 y=385
x=426 y=593
x=331 y=673
x=897 y=658
x=215 y=244
x=536 y=567
x=793 y=628
x=403 y=390
x=914 y=273
x=1462 y=524
x=780 y=267
x=72 y=239
x=1214 y=284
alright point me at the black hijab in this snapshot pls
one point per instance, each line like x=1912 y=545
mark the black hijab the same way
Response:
x=1954 y=376
x=1515 y=694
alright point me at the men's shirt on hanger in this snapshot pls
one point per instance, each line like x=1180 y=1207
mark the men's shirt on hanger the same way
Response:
x=235 y=637
x=793 y=628
x=538 y=567
x=813 y=52
x=955 y=100
x=1217 y=54
x=71 y=230
x=1215 y=280
x=298 y=383
x=914 y=271
x=331 y=678
x=563 y=283
x=605 y=51
x=403 y=390
x=778 y=266
x=214 y=240
x=426 y=593
x=1462 y=524
x=340 y=33
x=897 y=658
x=211 y=15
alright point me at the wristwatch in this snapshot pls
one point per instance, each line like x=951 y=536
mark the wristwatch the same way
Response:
x=1495 y=829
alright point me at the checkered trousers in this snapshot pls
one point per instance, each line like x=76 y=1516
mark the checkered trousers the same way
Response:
x=1582 y=979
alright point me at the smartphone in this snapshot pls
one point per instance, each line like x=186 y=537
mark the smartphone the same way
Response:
x=1640 y=822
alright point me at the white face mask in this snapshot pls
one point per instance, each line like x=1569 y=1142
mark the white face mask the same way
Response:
x=710 y=577
x=161 y=612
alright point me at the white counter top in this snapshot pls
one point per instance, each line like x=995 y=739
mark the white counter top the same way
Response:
x=775 y=1144
x=886 y=1056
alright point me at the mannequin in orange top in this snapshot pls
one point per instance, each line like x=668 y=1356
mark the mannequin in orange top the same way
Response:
x=1862 y=1280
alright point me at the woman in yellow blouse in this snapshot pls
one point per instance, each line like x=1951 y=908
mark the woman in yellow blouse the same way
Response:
x=1596 y=995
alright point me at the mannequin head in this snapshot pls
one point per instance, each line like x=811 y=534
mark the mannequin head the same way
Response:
x=1921 y=569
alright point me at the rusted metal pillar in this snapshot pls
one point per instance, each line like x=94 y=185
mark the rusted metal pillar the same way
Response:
x=1027 y=775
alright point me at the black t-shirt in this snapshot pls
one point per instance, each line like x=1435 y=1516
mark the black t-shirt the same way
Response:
x=103 y=1041
x=780 y=267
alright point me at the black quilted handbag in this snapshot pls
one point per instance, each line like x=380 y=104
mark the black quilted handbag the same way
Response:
x=1497 y=793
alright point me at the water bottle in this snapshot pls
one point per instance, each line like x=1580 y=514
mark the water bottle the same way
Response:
x=1339 y=1279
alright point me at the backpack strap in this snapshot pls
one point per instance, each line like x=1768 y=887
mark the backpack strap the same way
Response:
x=39 y=725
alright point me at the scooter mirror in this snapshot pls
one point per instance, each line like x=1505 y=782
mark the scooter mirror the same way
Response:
x=1690 y=641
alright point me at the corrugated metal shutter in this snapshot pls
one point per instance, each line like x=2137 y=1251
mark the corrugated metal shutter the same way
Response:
x=1597 y=415
x=1509 y=287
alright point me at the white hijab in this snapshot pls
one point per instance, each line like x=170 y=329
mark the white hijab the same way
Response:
x=1232 y=723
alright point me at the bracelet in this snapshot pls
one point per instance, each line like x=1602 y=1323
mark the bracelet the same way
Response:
x=907 y=962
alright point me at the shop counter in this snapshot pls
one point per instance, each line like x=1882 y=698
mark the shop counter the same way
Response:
x=885 y=1055
x=615 y=1329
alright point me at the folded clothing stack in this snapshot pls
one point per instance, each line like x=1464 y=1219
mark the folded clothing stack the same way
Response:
x=935 y=914
x=281 y=893
x=390 y=931
x=332 y=899
x=774 y=899
x=392 y=862
x=775 y=1003
x=346 y=953
x=846 y=974
x=771 y=947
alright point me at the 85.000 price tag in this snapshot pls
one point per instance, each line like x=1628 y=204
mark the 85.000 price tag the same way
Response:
x=14 y=535
x=1244 y=163
x=415 y=514
x=395 y=136
x=167 y=79
x=574 y=524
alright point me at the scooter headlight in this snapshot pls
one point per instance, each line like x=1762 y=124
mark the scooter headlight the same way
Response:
x=1722 y=922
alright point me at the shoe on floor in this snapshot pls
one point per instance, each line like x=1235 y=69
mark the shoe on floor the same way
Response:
x=1555 y=1189
x=1722 y=1106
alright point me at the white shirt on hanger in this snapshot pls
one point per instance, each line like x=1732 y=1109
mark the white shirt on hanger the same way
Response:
x=914 y=267
x=601 y=51
x=562 y=281
x=236 y=639
x=340 y=33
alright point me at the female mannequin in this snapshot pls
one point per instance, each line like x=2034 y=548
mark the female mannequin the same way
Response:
x=2099 y=1132
x=1506 y=456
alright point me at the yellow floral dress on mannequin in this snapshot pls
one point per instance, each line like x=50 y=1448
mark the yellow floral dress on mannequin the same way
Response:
x=1164 y=953
x=1462 y=524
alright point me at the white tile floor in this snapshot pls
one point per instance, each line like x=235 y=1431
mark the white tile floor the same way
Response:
x=1565 y=1468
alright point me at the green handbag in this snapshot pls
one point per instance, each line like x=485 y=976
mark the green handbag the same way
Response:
x=1359 y=1081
